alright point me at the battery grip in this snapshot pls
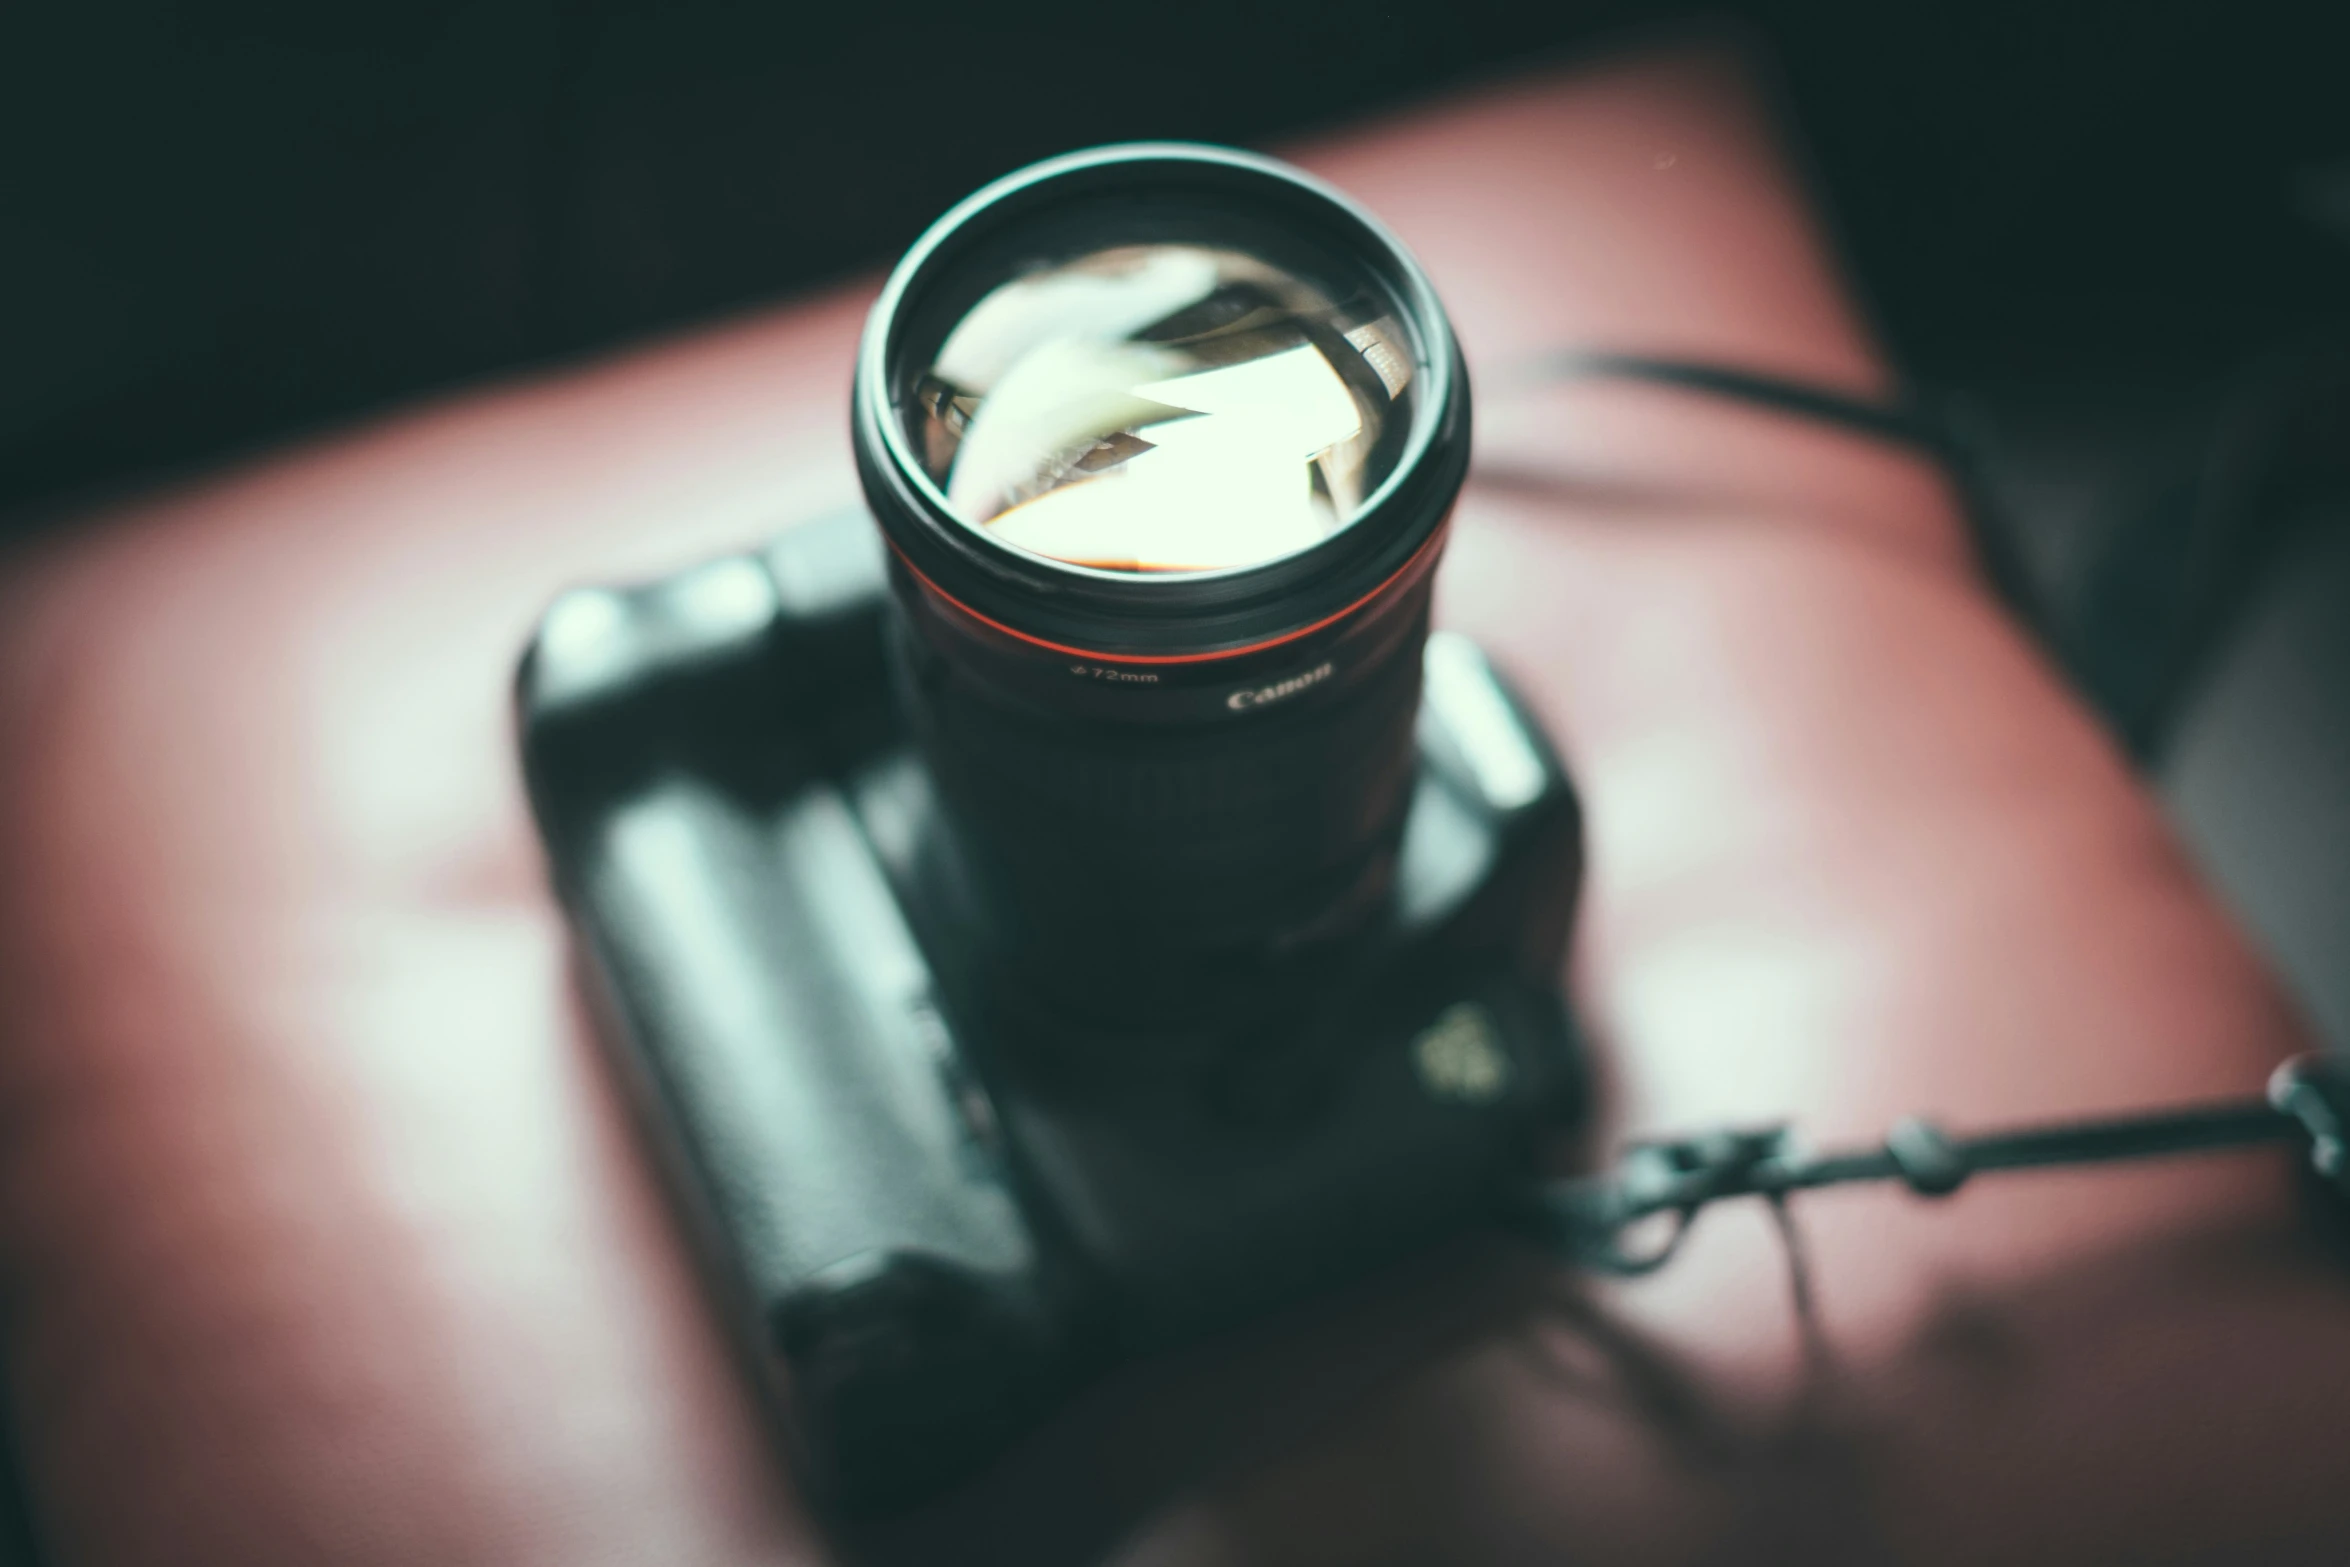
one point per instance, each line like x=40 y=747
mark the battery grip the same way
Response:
x=930 y=1219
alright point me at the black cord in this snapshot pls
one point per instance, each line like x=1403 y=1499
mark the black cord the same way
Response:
x=1897 y=423
x=1591 y=1218
x=1934 y=430
x=2155 y=600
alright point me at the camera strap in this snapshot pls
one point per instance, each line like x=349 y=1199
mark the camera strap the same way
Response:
x=1604 y=1221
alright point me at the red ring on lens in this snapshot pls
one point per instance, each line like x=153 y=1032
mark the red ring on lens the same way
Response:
x=1427 y=545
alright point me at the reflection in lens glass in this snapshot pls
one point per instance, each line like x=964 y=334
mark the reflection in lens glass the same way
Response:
x=1164 y=408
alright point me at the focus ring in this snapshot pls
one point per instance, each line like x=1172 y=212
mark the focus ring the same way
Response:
x=1199 y=838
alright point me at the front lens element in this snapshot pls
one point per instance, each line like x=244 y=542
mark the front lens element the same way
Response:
x=1164 y=408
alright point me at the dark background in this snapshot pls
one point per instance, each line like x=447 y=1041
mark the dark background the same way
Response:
x=223 y=221
x=2092 y=232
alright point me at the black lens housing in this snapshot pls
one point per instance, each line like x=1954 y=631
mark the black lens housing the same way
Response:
x=1164 y=787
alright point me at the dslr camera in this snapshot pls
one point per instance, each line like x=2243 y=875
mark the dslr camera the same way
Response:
x=1074 y=903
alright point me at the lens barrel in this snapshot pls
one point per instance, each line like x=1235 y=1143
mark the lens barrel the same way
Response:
x=1163 y=440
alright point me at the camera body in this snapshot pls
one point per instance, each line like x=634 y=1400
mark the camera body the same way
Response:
x=932 y=1211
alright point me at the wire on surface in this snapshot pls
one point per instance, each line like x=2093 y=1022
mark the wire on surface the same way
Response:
x=1898 y=422
x=1935 y=431
x=1595 y=1220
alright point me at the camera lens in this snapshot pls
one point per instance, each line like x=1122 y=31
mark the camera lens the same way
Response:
x=1161 y=407
x=1162 y=440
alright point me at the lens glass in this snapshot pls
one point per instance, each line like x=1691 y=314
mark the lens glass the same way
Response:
x=1164 y=408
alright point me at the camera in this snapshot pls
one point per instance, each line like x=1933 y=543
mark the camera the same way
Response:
x=1075 y=903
